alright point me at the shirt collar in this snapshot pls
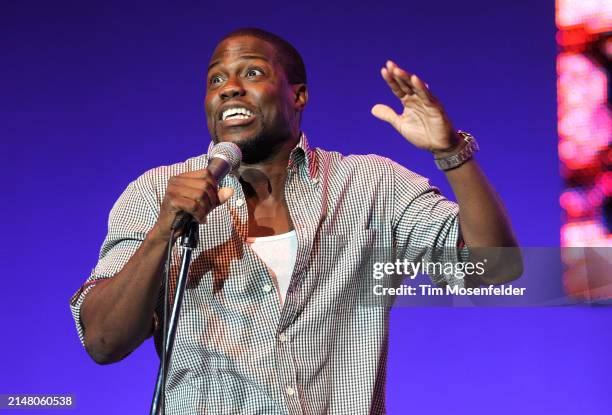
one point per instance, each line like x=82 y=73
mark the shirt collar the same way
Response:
x=302 y=157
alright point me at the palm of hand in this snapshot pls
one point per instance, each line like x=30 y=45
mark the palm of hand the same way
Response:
x=423 y=121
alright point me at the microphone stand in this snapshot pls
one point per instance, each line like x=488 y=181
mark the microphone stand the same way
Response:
x=188 y=241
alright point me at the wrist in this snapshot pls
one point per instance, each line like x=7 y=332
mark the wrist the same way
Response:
x=460 y=155
x=158 y=236
x=457 y=144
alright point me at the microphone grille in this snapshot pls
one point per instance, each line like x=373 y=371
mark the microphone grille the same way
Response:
x=230 y=152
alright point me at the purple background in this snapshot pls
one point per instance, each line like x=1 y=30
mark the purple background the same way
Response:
x=92 y=94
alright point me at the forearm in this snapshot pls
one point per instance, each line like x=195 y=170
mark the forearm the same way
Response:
x=485 y=224
x=483 y=219
x=117 y=313
x=424 y=123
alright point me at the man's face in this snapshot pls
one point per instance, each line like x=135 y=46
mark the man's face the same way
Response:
x=248 y=98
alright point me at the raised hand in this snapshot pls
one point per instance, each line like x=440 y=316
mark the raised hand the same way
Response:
x=423 y=121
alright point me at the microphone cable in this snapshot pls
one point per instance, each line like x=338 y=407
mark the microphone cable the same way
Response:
x=164 y=363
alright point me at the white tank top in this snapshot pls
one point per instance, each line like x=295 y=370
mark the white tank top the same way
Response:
x=278 y=252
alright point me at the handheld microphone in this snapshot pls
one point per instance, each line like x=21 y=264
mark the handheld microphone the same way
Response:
x=222 y=158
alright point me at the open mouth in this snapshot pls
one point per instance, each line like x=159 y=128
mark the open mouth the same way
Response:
x=236 y=116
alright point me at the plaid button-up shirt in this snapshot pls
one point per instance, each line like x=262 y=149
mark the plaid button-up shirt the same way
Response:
x=324 y=351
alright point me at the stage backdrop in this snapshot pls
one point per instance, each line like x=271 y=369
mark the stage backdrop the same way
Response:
x=95 y=93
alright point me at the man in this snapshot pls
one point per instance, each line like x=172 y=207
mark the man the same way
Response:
x=272 y=321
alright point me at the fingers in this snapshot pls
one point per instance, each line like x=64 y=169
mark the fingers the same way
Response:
x=191 y=182
x=178 y=203
x=385 y=113
x=197 y=174
x=224 y=194
x=196 y=189
x=392 y=82
x=193 y=192
x=211 y=194
x=421 y=88
x=403 y=83
x=401 y=77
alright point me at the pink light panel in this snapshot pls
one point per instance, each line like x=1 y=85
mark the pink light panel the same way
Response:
x=585 y=145
x=584 y=119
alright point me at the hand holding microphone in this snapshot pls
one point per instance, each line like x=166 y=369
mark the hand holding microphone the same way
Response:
x=194 y=194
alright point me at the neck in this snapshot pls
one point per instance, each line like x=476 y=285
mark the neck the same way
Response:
x=267 y=178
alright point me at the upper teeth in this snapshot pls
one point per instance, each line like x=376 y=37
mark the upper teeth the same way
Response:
x=236 y=113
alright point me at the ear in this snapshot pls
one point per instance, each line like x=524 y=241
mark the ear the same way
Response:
x=300 y=94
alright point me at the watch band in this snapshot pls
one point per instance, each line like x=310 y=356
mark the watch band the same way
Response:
x=466 y=153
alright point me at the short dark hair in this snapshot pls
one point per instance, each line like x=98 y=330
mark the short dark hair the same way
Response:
x=287 y=55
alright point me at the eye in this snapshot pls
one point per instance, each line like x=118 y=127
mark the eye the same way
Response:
x=254 y=72
x=215 y=79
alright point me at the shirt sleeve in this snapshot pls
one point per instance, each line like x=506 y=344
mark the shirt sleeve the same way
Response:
x=426 y=226
x=129 y=221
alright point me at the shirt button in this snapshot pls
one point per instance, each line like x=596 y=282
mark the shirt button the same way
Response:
x=315 y=180
x=283 y=338
x=267 y=288
x=290 y=391
x=239 y=202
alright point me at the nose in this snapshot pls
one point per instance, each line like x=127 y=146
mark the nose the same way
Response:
x=232 y=88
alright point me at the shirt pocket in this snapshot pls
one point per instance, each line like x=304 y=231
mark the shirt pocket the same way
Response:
x=343 y=263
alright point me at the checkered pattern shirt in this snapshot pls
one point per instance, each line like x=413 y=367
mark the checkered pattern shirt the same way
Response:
x=324 y=351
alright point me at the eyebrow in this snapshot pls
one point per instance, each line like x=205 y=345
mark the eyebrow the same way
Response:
x=241 y=58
